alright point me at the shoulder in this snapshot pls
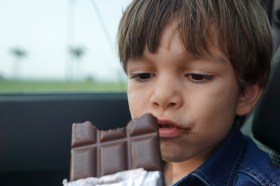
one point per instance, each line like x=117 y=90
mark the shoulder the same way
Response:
x=249 y=176
x=256 y=167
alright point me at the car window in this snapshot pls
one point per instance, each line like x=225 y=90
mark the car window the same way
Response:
x=65 y=45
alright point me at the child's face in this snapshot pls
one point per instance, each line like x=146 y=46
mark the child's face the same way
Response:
x=194 y=99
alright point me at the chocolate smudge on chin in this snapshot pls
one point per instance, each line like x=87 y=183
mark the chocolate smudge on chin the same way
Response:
x=187 y=131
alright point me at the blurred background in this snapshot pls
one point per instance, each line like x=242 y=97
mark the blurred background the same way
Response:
x=60 y=45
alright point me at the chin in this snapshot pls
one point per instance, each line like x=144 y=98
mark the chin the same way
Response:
x=171 y=153
x=173 y=157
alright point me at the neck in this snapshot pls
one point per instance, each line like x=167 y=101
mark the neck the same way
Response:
x=174 y=171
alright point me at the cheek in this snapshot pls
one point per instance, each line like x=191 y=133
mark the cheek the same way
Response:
x=136 y=102
x=219 y=114
x=221 y=107
x=222 y=99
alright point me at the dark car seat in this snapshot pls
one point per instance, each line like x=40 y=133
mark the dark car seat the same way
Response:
x=268 y=5
x=263 y=124
x=275 y=23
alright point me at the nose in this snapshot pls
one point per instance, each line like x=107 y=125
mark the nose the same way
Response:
x=166 y=95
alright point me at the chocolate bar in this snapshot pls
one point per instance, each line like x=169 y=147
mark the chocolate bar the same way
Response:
x=96 y=153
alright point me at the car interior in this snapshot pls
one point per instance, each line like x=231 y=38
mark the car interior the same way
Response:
x=35 y=128
x=35 y=138
x=262 y=124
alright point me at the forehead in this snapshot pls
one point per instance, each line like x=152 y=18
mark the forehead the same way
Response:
x=170 y=36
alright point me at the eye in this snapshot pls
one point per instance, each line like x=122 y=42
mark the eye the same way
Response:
x=143 y=76
x=199 y=78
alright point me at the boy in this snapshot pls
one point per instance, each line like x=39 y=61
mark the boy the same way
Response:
x=196 y=65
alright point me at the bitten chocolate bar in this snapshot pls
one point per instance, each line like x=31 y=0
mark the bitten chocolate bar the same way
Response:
x=96 y=153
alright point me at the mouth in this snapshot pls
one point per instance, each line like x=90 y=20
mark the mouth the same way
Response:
x=165 y=125
x=170 y=129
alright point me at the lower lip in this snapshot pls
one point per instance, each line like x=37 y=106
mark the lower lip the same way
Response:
x=170 y=132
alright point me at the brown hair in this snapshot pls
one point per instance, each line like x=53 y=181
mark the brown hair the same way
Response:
x=242 y=32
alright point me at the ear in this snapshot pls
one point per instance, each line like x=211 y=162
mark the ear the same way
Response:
x=248 y=99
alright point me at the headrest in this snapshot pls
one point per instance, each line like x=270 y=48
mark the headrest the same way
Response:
x=266 y=121
x=275 y=23
x=268 y=5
